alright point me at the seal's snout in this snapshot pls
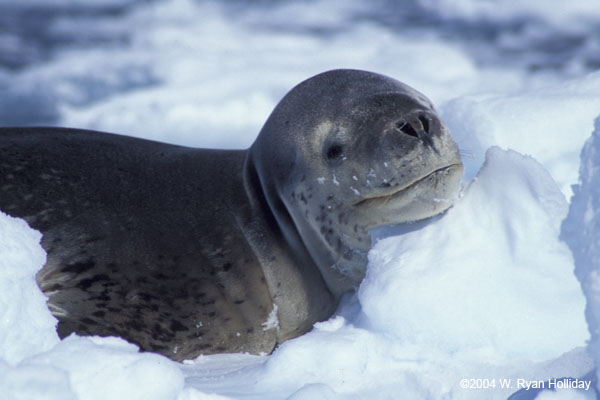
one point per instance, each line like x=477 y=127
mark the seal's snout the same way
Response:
x=418 y=125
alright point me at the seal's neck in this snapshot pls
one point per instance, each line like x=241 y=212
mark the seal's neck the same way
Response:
x=341 y=261
x=296 y=285
x=263 y=197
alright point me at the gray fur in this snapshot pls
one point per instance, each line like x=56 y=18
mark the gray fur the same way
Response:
x=192 y=251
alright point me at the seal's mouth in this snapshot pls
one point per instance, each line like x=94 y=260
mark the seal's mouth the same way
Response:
x=382 y=199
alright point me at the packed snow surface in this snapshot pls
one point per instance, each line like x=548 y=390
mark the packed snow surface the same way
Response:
x=581 y=230
x=485 y=292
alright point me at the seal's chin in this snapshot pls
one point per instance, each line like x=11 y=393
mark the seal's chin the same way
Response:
x=436 y=181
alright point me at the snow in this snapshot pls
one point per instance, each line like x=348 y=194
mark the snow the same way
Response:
x=486 y=291
x=499 y=276
x=110 y=368
x=272 y=321
x=26 y=327
x=581 y=230
x=528 y=123
x=66 y=3
x=577 y=14
x=567 y=394
x=92 y=368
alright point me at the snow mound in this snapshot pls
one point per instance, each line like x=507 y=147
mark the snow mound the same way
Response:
x=92 y=368
x=550 y=123
x=489 y=279
x=26 y=326
x=581 y=231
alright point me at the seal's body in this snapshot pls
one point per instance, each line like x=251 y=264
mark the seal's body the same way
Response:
x=192 y=251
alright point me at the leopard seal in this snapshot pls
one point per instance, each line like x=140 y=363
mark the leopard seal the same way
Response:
x=188 y=251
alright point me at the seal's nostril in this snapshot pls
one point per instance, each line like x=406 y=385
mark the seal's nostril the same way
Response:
x=406 y=128
x=418 y=125
x=425 y=122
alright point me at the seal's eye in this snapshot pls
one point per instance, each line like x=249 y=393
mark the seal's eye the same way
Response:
x=334 y=152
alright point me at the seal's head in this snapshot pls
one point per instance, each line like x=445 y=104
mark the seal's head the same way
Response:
x=346 y=151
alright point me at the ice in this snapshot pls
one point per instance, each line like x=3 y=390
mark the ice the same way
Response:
x=90 y=369
x=550 y=123
x=581 y=230
x=110 y=368
x=485 y=291
x=568 y=17
x=567 y=394
x=491 y=274
x=205 y=101
x=26 y=327
x=66 y=3
x=35 y=382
